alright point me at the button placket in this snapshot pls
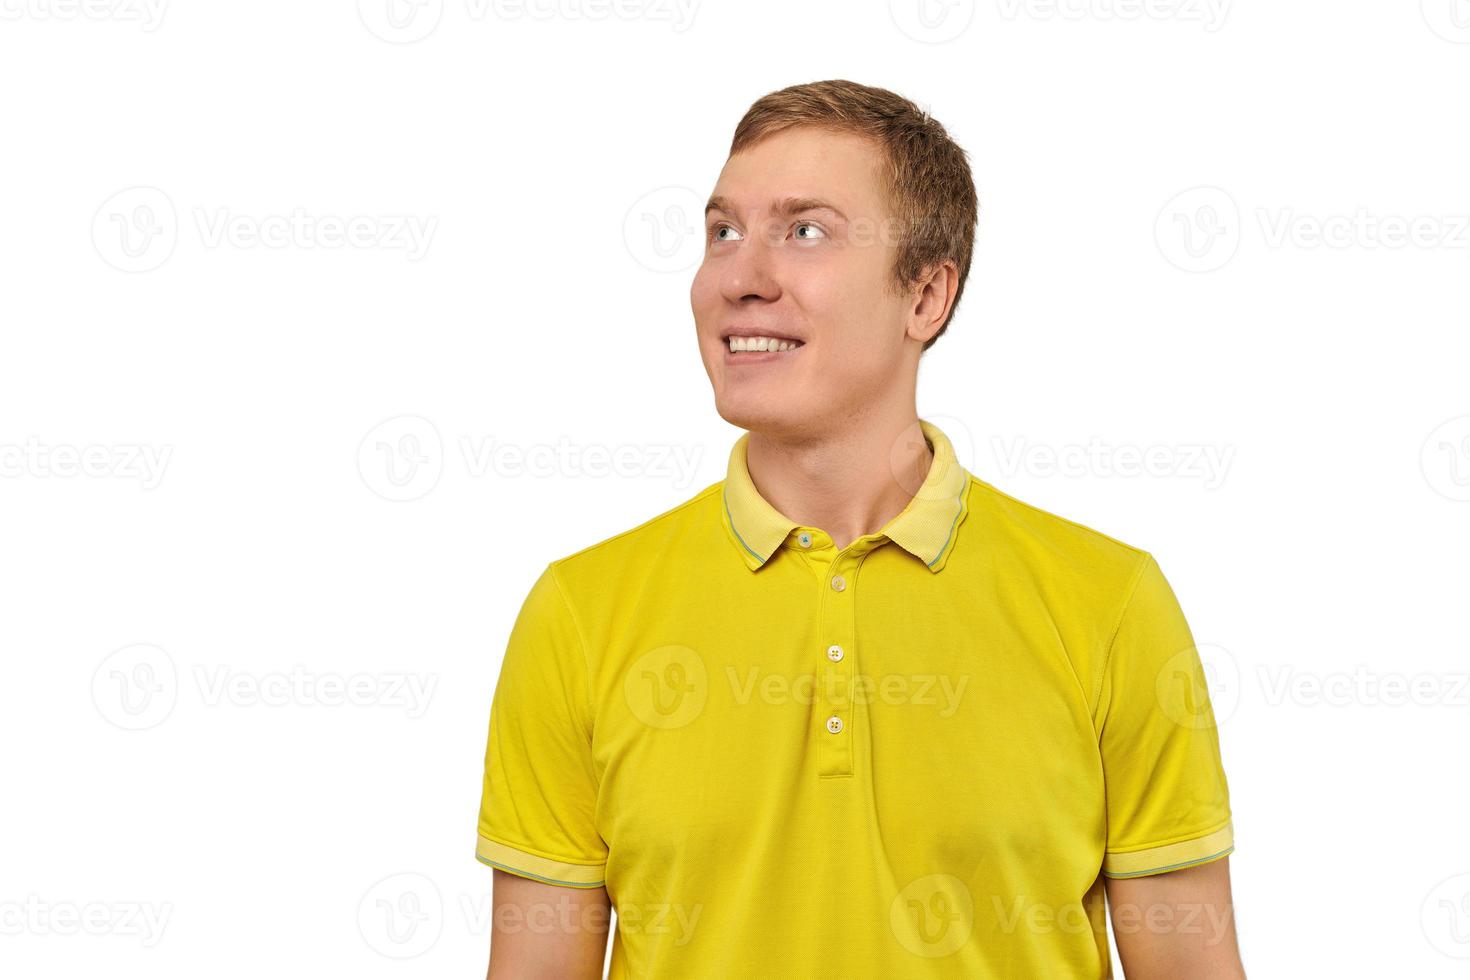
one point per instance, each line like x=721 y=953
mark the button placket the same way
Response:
x=832 y=715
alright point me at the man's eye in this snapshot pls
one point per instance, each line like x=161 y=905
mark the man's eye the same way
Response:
x=715 y=233
x=819 y=232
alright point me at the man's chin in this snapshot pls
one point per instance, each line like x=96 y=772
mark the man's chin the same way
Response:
x=773 y=410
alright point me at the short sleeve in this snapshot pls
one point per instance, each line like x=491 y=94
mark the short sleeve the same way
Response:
x=539 y=800
x=1168 y=805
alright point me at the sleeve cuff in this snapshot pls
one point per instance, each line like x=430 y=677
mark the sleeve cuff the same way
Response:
x=1170 y=857
x=534 y=866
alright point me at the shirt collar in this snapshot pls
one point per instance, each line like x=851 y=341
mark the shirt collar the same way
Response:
x=925 y=527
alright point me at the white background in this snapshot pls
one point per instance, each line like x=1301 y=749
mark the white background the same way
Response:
x=245 y=461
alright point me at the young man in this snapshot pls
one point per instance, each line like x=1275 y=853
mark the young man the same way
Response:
x=850 y=712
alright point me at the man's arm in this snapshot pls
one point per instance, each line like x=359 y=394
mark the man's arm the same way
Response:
x=547 y=932
x=1176 y=924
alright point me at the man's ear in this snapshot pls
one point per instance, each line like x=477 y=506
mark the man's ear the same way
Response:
x=933 y=297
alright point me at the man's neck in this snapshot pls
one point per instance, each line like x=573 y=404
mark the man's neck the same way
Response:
x=849 y=482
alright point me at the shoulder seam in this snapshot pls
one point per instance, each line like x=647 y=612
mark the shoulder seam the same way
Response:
x=581 y=645
x=1107 y=659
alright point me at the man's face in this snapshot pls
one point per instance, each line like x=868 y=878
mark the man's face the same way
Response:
x=812 y=274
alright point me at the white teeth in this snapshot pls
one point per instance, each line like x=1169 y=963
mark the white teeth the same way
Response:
x=761 y=343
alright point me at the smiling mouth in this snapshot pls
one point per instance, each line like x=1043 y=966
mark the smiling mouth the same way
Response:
x=761 y=345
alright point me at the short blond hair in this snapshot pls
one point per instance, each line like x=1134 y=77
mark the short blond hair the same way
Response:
x=928 y=180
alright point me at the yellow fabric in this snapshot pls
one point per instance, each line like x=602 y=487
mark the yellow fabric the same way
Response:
x=923 y=773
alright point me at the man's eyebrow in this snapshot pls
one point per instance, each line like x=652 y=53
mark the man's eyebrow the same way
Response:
x=781 y=206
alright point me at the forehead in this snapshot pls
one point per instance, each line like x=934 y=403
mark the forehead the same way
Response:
x=806 y=161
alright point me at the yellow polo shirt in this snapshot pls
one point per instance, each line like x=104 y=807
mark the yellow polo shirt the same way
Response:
x=913 y=757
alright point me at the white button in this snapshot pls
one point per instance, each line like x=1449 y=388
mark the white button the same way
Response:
x=834 y=653
x=839 y=583
x=804 y=539
x=834 y=724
